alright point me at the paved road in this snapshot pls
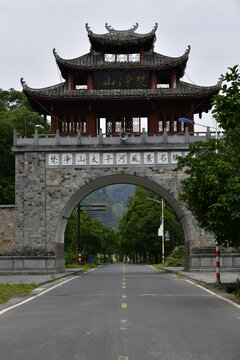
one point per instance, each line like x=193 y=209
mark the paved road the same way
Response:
x=122 y=312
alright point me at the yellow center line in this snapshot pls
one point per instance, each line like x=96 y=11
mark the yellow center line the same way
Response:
x=124 y=296
x=123 y=321
x=123 y=358
x=124 y=305
x=124 y=287
x=124 y=283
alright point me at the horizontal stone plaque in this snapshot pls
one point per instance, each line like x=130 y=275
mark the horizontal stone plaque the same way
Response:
x=138 y=158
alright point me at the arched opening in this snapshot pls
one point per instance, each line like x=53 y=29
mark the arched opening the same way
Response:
x=95 y=184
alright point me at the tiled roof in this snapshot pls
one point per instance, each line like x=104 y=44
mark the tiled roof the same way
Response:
x=61 y=92
x=152 y=61
x=120 y=38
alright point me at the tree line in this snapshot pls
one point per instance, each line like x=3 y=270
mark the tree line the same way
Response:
x=137 y=235
x=136 y=239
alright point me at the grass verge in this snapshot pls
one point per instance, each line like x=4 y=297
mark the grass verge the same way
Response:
x=77 y=266
x=7 y=291
x=158 y=266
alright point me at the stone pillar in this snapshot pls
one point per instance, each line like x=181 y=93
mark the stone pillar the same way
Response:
x=31 y=251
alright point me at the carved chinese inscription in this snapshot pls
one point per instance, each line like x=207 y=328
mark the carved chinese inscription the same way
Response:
x=121 y=80
x=113 y=158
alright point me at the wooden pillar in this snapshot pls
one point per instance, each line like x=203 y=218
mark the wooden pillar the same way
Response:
x=90 y=81
x=153 y=120
x=54 y=121
x=173 y=80
x=70 y=81
x=191 y=117
x=91 y=121
x=153 y=81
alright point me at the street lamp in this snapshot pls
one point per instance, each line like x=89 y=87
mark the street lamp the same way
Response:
x=161 y=229
x=218 y=281
x=193 y=122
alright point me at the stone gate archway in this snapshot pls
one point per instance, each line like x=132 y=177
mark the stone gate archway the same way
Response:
x=54 y=174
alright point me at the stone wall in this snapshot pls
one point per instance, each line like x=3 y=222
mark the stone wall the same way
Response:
x=7 y=230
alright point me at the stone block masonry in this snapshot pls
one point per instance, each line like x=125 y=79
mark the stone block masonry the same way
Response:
x=7 y=230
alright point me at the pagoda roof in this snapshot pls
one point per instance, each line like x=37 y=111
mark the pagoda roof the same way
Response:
x=60 y=92
x=121 y=39
x=151 y=61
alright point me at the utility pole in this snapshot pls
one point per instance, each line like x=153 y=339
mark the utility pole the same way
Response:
x=163 y=204
x=161 y=229
x=79 y=239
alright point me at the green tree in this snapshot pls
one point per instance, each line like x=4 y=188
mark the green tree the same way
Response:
x=226 y=104
x=15 y=113
x=212 y=187
x=138 y=229
x=95 y=237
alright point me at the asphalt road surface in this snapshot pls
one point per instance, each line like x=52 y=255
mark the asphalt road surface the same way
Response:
x=122 y=312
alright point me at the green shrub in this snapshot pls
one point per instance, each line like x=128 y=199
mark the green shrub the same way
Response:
x=71 y=256
x=177 y=257
x=237 y=292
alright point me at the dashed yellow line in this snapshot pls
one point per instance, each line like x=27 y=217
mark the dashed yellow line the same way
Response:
x=123 y=306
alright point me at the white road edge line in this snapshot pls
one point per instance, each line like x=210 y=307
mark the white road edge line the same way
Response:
x=212 y=293
x=207 y=290
x=40 y=294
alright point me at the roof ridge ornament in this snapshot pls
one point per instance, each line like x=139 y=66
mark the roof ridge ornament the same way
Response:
x=188 y=49
x=110 y=29
x=55 y=53
x=220 y=80
x=88 y=29
x=155 y=27
x=24 y=84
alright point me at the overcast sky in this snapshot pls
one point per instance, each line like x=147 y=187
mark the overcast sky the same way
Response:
x=30 y=29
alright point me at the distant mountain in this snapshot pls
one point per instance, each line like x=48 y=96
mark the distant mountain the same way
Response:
x=114 y=197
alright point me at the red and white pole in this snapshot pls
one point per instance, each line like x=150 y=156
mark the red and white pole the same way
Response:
x=218 y=281
x=163 y=234
x=80 y=257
